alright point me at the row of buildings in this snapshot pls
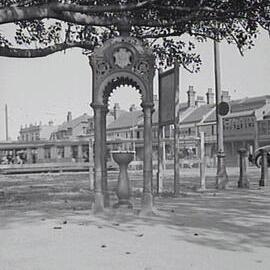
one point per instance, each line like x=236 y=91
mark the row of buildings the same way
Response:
x=247 y=125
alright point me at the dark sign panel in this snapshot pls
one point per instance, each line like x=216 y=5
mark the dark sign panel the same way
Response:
x=223 y=108
x=168 y=95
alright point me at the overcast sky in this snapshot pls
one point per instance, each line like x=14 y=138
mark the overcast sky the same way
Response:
x=45 y=89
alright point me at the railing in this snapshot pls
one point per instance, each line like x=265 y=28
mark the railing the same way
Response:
x=44 y=167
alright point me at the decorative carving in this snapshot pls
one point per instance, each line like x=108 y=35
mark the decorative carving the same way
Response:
x=102 y=68
x=122 y=57
x=118 y=82
x=143 y=68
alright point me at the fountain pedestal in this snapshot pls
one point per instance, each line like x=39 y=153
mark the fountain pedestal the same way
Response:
x=123 y=158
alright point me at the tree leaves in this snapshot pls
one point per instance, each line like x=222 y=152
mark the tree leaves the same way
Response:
x=160 y=24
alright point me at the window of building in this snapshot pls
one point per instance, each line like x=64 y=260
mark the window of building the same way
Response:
x=138 y=134
x=262 y=127
x=47 y=153
x=213 y=130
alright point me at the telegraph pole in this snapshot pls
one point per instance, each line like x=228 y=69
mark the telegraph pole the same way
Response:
x=221 y=176
x=6 y=119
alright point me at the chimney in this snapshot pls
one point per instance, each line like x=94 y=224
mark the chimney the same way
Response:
x=225 y=96
x=210 y=96
x=116 y=109
x=200 y=101
x=155 y=100
x=69 y=117
x=191 y=96
x=132 y=108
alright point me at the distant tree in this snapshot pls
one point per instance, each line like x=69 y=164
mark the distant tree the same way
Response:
x=48 y=26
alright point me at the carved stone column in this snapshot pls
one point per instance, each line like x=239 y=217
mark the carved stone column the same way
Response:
x=147 y=198
x=98 y=163
x=104 y=112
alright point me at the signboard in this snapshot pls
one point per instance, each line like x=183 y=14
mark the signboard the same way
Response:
x=168 y=95
x=223 y=108
x=169 y=114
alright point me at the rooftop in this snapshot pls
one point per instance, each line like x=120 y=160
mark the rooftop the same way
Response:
x=198 y=113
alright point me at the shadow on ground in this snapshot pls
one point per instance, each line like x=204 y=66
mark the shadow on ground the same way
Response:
x=235 y=220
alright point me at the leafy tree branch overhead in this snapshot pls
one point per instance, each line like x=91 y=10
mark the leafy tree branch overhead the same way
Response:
x=48 y=26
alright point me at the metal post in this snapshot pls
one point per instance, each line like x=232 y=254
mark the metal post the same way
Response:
x=176 y=133
x=221 y=177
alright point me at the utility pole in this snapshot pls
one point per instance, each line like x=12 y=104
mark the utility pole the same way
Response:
x=221 y=176
x=6 y=119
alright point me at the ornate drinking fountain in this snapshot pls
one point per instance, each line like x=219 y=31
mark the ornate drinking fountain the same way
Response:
x=123 y=158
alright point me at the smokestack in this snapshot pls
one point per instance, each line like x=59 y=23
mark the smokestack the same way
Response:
x=69 y=117
x=6 y=114
x=191 y=96
x=210 y=96
x=225 y=96
x=116 y=110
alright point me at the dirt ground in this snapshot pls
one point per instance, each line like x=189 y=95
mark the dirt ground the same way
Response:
x=46 y=223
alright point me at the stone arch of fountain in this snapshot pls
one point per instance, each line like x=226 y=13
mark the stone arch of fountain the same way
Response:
x=121 y=61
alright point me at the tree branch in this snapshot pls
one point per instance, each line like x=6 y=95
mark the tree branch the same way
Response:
x=61 y=11
x=42 y=52
x=59 y=7
x=15 y=14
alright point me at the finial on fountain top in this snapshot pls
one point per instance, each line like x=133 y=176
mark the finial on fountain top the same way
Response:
x=124 y=27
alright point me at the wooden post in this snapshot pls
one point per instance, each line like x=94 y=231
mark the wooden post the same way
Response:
x=161 y=159
x=202 y=161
